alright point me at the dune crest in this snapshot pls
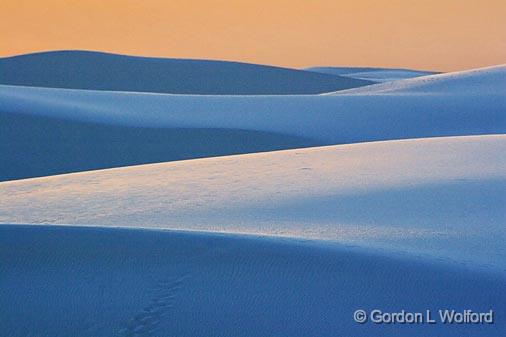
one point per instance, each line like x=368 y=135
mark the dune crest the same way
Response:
x=104 y=71
x=481 y=81
x=415 y=196
x=372 y=74
x=158 y=127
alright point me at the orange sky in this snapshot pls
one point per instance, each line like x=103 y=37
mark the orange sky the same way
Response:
x=425 y=34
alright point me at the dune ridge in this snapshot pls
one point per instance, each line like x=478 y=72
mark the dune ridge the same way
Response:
x=467 y=103
x=481 y=81
x=372 y=74
x=89 y=70
x=420 y=196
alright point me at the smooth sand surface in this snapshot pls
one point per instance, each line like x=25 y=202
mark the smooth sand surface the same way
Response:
x=71 y=281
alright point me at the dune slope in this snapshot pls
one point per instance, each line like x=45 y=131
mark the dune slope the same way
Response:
x=33 y=146
x=372 y=74
x=482 y=81
x=449 y=105
x=442 y=198
x=102 y=71
x=61 y=281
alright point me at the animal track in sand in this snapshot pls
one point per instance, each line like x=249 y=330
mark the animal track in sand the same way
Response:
x=146 y=321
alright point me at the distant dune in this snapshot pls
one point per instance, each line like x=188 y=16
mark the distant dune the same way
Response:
x=97 y=129
x=478 y=82
x=371 y=74
x=102 y=71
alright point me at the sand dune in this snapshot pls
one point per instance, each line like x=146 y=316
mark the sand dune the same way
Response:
x=101 y=71
x=371 y=74
x=442 y=197
x=406 y=214
x=67 y=281
x=442 y=105
x=482 y=81
x=33 y=145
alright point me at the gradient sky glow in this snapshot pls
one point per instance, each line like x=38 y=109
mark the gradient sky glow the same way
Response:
x=440 y=35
